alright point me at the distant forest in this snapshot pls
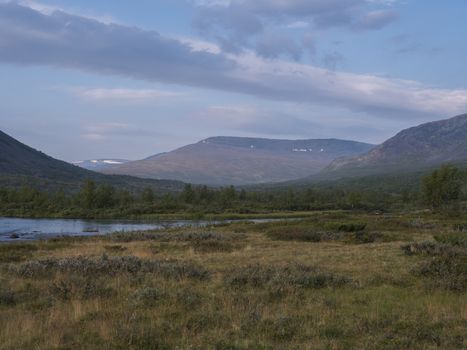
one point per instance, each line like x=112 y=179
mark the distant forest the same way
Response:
x=443 y=189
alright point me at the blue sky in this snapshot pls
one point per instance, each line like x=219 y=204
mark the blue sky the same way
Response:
x=128 y=79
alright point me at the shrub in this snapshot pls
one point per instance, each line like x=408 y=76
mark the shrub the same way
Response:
x=147 y=296
x=446 y=271
x=299 y=276
x=188 y=297
x=429 y=248
x=302 y=235
x=362 y=237
x=281 y=329
x=209 y=246
x=345 y=227
x=79 y=287
x=456 y=239
x=89 y=266
x=173 y=237
x=7 y=296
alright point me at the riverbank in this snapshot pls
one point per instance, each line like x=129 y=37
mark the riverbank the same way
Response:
x=169 y=216
x=333 y=281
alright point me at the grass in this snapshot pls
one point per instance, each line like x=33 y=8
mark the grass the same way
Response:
x=396 y=283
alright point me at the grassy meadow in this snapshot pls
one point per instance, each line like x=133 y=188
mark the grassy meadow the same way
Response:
x=334 y=280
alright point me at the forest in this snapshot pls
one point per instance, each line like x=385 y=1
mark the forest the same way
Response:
x=443 y=189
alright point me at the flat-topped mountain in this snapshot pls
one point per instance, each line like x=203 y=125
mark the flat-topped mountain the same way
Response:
x=242 y=160
x=20 y=164
x=423 y=146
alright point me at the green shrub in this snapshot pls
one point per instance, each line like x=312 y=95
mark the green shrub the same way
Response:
x=300 y=234
x=7 y=296
x=110 y=266
x=298 y=276
x=188 y=297
x=362 y=237
x=429 y=248
x=173 y=237
x=77 y=287
x=446 y=271
x=458 y=239
x=345 y=227
x=147 y=296
x=213 y=246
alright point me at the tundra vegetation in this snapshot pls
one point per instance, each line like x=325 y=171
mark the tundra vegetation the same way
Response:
x=348 y=278
x=335 y=280
x=445 y=190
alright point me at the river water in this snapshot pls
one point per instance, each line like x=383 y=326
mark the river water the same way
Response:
x=14 y=229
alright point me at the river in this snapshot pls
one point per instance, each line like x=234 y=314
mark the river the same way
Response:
x=14 y=229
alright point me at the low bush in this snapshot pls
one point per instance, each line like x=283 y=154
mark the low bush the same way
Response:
x=303 y=235
x=188 y=297
x=345 y=227
x=429 y=248
x=111 y=266
x=446 y=271
x=281 y=329
x=77 y=287
x=458 y=239
x=362 y=237
x=7 y=296
x=213 y=246
x=147 y=296
x=297 y=275
x=173 y=237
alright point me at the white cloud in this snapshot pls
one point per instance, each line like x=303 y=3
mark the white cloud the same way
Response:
x=47 y=9
x=36 y=39
x=122 y=95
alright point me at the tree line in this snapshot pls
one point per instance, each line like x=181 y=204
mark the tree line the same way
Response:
x=443 y=188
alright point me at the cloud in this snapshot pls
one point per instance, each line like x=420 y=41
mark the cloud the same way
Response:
x=332 y=59
x=109 y=131
x=29 y=37
x=249 y=119
x=406 y=44
x=49 y=9
x=122 y=95
x=272 y=45
x=376 y=20
x=240 y=24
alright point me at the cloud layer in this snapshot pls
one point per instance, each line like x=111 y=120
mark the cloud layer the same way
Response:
x=59 y=39
x=244 y=24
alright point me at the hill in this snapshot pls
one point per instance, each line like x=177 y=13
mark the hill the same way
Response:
x=239 y=160
x=21 y=164
x=421 y=147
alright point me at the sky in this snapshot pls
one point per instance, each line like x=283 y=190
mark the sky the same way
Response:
x=128 y=79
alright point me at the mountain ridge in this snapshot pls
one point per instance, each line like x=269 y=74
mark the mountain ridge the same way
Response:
x=226 y=160
x=20 y=164
x=421 y=146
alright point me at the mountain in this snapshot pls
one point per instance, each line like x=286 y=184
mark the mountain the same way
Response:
x=239 y=160
x=99 y=164
x=420 y=147
x=21 y=164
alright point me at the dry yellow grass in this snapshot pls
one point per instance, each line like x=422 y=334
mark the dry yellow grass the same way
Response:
x=383 y=305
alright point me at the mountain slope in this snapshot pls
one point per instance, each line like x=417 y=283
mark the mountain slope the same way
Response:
x=423 y=146
x=238 y=160
x=20 y=164
x=99 y=164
